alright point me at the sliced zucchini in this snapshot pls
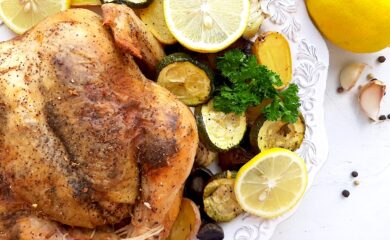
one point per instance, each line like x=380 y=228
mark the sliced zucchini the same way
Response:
x=219 y=131
x=187 y=78
x=131 y=3
x=277 y=134
x=219 y=199
x=153 y=17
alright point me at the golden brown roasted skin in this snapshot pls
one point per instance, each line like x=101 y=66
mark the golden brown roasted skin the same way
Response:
x=85 y=138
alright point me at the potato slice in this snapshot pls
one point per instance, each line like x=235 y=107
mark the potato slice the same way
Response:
x=153 y=17
x=85 y=3
x=187 y=223
x=273 y=50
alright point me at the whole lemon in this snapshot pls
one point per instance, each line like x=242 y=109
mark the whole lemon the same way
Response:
x=361 y=26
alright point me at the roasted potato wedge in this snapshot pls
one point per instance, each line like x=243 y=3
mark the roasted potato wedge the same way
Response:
x=256 y=18
x=153 y=17
x=85 y=3
x=187 y=223
x=273 y=50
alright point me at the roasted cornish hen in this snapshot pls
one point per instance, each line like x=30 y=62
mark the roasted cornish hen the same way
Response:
x=85 y=139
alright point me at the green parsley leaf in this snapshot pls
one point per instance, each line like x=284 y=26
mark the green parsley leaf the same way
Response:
x=249 y=84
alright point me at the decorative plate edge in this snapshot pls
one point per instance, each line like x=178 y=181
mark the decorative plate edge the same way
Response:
x=309 y=71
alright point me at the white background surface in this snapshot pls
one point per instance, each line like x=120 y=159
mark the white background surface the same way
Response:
x=355 y=143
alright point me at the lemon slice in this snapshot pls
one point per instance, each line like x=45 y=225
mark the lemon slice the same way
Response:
x=271 y=183
x=206 y=25
x=21 y=15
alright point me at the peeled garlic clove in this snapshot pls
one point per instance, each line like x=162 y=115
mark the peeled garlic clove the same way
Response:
x=350 y=74
x=370 y=98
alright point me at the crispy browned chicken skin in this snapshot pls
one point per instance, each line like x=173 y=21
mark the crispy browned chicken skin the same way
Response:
x=85 y=139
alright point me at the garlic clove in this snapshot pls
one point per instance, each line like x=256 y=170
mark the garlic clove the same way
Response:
x=350 y=74
x=370 y=98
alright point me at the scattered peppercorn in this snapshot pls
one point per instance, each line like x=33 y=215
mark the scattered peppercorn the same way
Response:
x=346 y=193
x=354 y=174
x=340 y=90
x=356 y=182
x=382 y=59
x=382 y=118
x=370 y=76
x=388 y=116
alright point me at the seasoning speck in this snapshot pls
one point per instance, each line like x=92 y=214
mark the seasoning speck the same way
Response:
x=388 y=116
x=382 y=118
x=147 y=205
x=356 y=182
x=354 y=174
x=34 y=205
x=345 y=193
x=381 y=59
x=370 y=77
x=340 y=90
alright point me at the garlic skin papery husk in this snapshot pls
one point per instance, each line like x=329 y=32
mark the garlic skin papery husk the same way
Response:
x=350 y=74
x=370 y=98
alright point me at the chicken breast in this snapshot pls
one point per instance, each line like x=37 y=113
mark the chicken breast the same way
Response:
x=85 y=138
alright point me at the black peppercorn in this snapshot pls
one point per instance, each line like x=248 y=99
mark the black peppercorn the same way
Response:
x=388 y=116
x=346 y=193
x=354 y=174
x=340 y=90
x=382 y=59
x=382 y=118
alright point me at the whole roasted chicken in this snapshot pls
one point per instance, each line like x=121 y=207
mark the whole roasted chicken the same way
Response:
x=86 y=141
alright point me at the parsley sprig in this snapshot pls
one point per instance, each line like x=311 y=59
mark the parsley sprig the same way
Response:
x=249 y=84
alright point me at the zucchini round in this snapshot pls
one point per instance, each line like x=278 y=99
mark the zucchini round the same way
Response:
x=219 y=131
x=219 y=199
x=277 y=134
x=190 y=80
x=131 y=3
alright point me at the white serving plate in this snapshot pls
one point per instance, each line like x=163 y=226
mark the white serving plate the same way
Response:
x=310 y=68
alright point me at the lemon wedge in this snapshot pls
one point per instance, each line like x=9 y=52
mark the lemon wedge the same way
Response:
x=271 y=183
x=21 y=15
x=206 y=25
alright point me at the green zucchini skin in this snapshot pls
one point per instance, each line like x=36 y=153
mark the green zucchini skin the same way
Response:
x=130 y=3
x=183 y=57
x=254 y=132
x=225 y=174
x=204 y=136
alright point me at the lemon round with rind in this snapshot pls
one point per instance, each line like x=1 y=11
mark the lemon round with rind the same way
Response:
x=272 y=183
x=21 y=15
x=206 y=26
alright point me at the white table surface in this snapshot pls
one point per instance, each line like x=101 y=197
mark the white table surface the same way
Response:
x=355 y=143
